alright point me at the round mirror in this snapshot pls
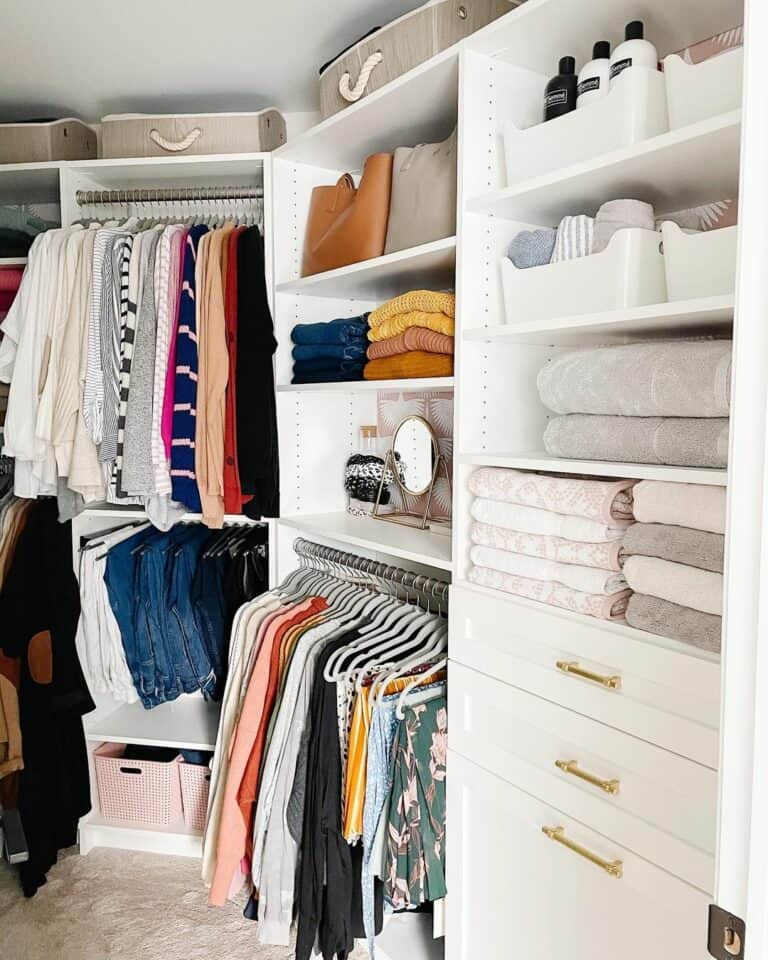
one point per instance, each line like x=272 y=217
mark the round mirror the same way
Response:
x=414 y=446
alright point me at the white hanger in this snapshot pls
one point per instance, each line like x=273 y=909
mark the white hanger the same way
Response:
x=419 y=680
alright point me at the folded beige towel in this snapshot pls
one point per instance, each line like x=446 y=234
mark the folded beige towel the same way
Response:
x=604 y=555
x=685 y=586
x=553 y=594
x=667 y=619
x=586 y=579
x=695 y=548
x=696 y=505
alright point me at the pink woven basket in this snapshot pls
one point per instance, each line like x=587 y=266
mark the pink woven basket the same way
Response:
x=195 y=784
x=138 y=791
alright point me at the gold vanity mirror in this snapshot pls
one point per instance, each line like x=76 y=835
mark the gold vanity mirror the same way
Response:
x=414 y=459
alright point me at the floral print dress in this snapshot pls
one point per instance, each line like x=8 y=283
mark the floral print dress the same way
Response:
x=416 y=815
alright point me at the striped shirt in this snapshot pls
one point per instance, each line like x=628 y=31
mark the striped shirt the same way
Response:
x=183 y=480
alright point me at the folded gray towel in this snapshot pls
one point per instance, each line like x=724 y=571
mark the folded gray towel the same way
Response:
x=667 y=619
x=677 y=441
x=618 y=215
x=655 y=379
x=532 y=248
x=695 y=548
x=574 y=238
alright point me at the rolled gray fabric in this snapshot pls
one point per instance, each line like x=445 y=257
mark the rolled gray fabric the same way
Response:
x=695 y=548
x=532 y=248
x=665 y=619
x=675 y=441
x=619 y=215
x=657 y=379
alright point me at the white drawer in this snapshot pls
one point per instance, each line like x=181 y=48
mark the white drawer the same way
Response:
x=514 y=891
x=656 y=803
x=662 y=694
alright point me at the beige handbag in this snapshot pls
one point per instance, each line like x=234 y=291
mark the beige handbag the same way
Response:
x=423 y=205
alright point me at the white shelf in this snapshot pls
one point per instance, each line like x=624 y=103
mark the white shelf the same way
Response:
x=232 y=169
x=179 y=840
x=13 y=262
x=417 y=107
x=620 y=627
x=710 y=316
x=357 y=386
x=675 y=171
x=431 y=265
x=532 y=35
x=409 y=543
x=641 y=471
x=189 y=723
x=114 y=511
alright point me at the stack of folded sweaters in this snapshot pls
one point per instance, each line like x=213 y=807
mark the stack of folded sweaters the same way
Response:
x=412 y=336
x=663 y=402
x=554 y=539
x=330 y=352
x=673 y=560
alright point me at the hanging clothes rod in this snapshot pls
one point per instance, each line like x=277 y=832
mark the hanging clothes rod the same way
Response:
x=430 y=586
x=167 y=195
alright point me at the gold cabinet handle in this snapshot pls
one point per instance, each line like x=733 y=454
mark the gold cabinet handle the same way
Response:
x=572 y=767
x=614 y=868
x=575 y=668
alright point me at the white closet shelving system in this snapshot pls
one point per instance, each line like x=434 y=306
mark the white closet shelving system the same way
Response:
x=679 y=735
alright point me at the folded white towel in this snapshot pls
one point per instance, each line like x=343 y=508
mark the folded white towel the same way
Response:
x=545 y=522
x=677 y=583
x=586 y=579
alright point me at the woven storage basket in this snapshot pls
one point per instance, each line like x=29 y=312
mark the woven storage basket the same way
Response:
x=138 y=791
x=402 y=45
x=195 y=784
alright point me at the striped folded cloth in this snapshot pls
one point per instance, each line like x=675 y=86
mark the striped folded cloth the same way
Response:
x=414 y=338
x=426 y=301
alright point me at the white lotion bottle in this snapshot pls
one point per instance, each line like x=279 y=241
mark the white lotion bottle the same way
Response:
x=594 y=76
x=634 y=52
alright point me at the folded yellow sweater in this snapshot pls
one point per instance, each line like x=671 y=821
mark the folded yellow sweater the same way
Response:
x=398 y=324
x=427 y=301
x=405 y=366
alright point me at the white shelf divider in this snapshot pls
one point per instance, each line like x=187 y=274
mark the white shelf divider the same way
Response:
x=179 y=840
x=674 y=171
x=433 y=264
x=408 y=543
x=366 y=386
x=189 y=723
x=641 y=471
x=709 y=316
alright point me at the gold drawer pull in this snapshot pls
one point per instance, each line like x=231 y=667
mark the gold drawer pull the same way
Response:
x=572 y=666
x=614 y=868
x=572 y=767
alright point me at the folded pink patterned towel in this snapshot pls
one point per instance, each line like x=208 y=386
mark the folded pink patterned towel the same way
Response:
x=609 y=501
x=573 y=575
x=554 y=594
x=604 y=556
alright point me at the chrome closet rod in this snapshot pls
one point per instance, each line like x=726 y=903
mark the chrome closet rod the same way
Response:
x=438 y=589
x=167 y=195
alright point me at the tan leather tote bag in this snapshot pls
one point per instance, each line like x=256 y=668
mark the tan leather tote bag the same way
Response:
x=347 y=224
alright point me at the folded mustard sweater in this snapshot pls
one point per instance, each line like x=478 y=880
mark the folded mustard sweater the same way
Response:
x=404 y=366
x=393 y=326
x=426 y=301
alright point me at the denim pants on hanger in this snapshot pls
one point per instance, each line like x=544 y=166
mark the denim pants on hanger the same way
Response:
x=193 y=662
x=210 y=613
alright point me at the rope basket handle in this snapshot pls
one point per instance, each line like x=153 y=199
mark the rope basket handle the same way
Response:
x=175 y=146
x=353 y=95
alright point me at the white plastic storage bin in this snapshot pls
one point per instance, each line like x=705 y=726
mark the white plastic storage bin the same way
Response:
x=628 y=273
x=699 y=264
x=634 y=110
x=137 y=791
x=697 y=91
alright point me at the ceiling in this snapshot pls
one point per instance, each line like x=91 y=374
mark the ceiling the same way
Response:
x=88 y=58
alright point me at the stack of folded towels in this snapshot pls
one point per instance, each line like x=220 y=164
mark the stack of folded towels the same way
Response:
x=580 y=235
x=554 y=539
x=412 y=336
x=330 y=352
x=661 y=402
x=673 y=560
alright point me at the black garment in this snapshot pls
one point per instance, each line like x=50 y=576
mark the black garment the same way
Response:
x=39 y=610
x=257 y=452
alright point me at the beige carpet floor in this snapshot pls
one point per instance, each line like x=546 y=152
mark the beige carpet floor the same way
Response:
x=120 y=905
